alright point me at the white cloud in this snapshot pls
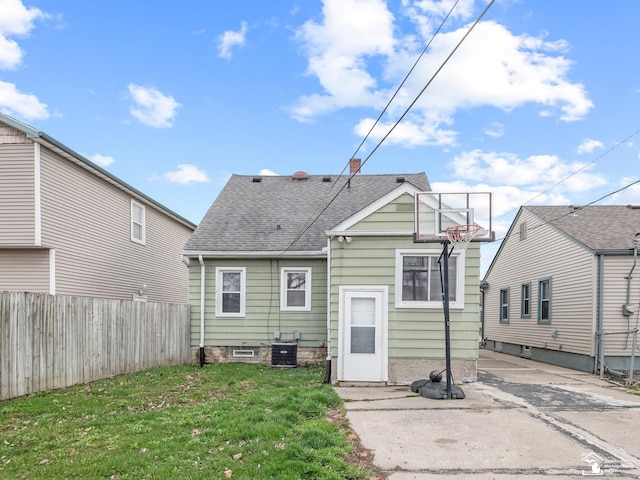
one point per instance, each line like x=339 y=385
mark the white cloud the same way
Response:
x=268 y=173
x=536 y=171
x=359 y=56
x=101 y=160
x=24 y=105
x=187 y=174
x=588 y=145
x=413 y=131
x=428 y=14
x=16 y=19
x=496 y=130
x=351 y=32
x=628 y=196
x=151 y=107
x=230 y=39
x=508 y=71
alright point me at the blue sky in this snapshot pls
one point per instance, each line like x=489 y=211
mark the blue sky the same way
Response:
x=538 y=105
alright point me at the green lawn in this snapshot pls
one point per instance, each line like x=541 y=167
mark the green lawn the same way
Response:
x=233 y=420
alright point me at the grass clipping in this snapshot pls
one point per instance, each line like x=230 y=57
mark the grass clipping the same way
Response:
x=232 y=420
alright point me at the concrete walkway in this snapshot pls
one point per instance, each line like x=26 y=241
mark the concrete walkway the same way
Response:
x=522 y=419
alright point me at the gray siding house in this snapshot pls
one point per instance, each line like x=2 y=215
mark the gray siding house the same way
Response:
x=69 y=227
x=562 y=276
x=325 y=263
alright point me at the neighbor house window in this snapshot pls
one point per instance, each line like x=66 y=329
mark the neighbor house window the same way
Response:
x=295 y=289
x=504 y=305
x=523 y=230
x=525 y=296
x=230 y=292
x=419 y=279
x=544 y=300
x=137 y=222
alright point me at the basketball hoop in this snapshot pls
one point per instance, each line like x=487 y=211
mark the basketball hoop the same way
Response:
x=461 y=235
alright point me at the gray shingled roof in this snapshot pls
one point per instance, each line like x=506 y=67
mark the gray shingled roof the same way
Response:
x=599 y=227
x=246 y=215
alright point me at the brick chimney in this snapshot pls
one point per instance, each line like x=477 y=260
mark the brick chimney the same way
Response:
x=354 y=165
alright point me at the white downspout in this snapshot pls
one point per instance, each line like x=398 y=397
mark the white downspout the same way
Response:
x=202 y=289
x=328 y=363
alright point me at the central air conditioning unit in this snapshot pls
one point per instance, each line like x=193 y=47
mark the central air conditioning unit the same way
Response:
x=284 y=354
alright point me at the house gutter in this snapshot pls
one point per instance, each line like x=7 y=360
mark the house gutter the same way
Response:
x=202 y=276
x=327 y=375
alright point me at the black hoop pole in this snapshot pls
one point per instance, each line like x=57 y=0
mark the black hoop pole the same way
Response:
x=445 y=304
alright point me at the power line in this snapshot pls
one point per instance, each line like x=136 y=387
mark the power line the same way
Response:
x=446 y=60
x=576 y=172
x=404 y=80
x=591 y=203
x=581 y=207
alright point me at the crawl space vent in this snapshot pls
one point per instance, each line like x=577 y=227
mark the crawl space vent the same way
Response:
x=244 y=354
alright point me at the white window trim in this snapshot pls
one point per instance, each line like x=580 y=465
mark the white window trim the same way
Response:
x=243 y=291
x=460 y=276
x=283 y=289
x=143 y=225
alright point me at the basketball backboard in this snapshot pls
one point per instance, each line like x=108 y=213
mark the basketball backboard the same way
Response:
x=435 y=211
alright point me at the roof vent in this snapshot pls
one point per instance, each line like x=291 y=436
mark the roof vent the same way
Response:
x=300 y=175
x=257 y=179
x=326 y=179
x=400 y=180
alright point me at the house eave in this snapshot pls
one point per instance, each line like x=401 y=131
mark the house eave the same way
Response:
x=370 y=233
x=254 y=254
x=73 y=156
x=78 y=159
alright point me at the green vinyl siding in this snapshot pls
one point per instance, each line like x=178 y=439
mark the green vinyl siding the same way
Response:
x=396 y=215
x=413 y=333
x=263 y=315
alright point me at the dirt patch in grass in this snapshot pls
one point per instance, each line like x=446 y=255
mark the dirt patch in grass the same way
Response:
x=360 y=456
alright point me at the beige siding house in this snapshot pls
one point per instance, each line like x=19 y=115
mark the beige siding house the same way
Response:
x=561 y=277
x=69 y=227
x=281 y=261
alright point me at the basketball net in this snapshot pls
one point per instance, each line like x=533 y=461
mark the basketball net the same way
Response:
x=460 y=235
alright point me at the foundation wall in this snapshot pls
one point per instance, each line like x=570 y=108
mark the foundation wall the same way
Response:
x=261 y=354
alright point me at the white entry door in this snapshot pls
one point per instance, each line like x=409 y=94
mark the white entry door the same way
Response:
x=363 y=334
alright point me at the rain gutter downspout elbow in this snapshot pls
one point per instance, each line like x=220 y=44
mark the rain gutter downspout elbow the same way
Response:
x=202 y=290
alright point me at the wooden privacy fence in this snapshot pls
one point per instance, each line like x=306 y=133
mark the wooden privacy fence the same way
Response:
x=53 y=341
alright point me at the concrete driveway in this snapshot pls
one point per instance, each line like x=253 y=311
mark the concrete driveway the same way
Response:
x=522 y=419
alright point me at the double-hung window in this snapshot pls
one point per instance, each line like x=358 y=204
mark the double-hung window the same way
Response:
x=295 y=289
x=137 y=222
x=419 y=279
x=230 y=291
x=544 y=300
x=525 y=300
x=504 y=305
